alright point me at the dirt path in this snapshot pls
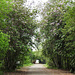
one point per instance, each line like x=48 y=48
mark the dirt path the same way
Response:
x=39 y=69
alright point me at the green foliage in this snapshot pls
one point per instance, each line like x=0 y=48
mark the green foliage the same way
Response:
x=4 y=44
x=4 y=10
x=37 y=55
x=53 y=35
x=19 y=23
x=4 y=38
x=59 y=34
x=69 y=35
x=29 y=64
x=21 y=28
x=50 y=67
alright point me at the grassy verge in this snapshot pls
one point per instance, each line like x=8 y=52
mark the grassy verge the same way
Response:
x=29 y=64
x=50 y=67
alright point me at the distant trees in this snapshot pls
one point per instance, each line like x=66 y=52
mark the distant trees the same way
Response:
x=37 y=55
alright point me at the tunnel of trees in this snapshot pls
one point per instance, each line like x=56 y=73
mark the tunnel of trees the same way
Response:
x=54 y=34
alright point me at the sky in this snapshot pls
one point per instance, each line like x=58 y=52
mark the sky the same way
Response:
x=36 y=4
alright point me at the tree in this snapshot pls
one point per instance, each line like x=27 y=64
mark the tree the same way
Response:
x=4 y=38
x=21 y=29
x=52 y=29
x=69 y=35
x=58 y=45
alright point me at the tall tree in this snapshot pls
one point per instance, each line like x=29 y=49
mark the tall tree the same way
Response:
x=69 y=35
x=53 y=29
x=21 y=29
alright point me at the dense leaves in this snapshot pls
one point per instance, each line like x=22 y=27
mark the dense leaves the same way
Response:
x=58 y=30
x=4 y=10
x=19 y=24
x=69 y=35
x=4 y=44
x=21 y=29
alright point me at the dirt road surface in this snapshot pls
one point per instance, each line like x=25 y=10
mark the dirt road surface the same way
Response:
x=38 y=69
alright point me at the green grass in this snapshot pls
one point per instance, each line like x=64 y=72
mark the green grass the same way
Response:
x=29 y=64
x=50 y=67
x=46 y=65
x=24 y=65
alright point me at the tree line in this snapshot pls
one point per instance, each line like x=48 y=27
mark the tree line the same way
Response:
x=58 y=30
x=17 y=26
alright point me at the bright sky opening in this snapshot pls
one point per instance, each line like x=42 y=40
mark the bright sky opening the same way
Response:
x=33 y=3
